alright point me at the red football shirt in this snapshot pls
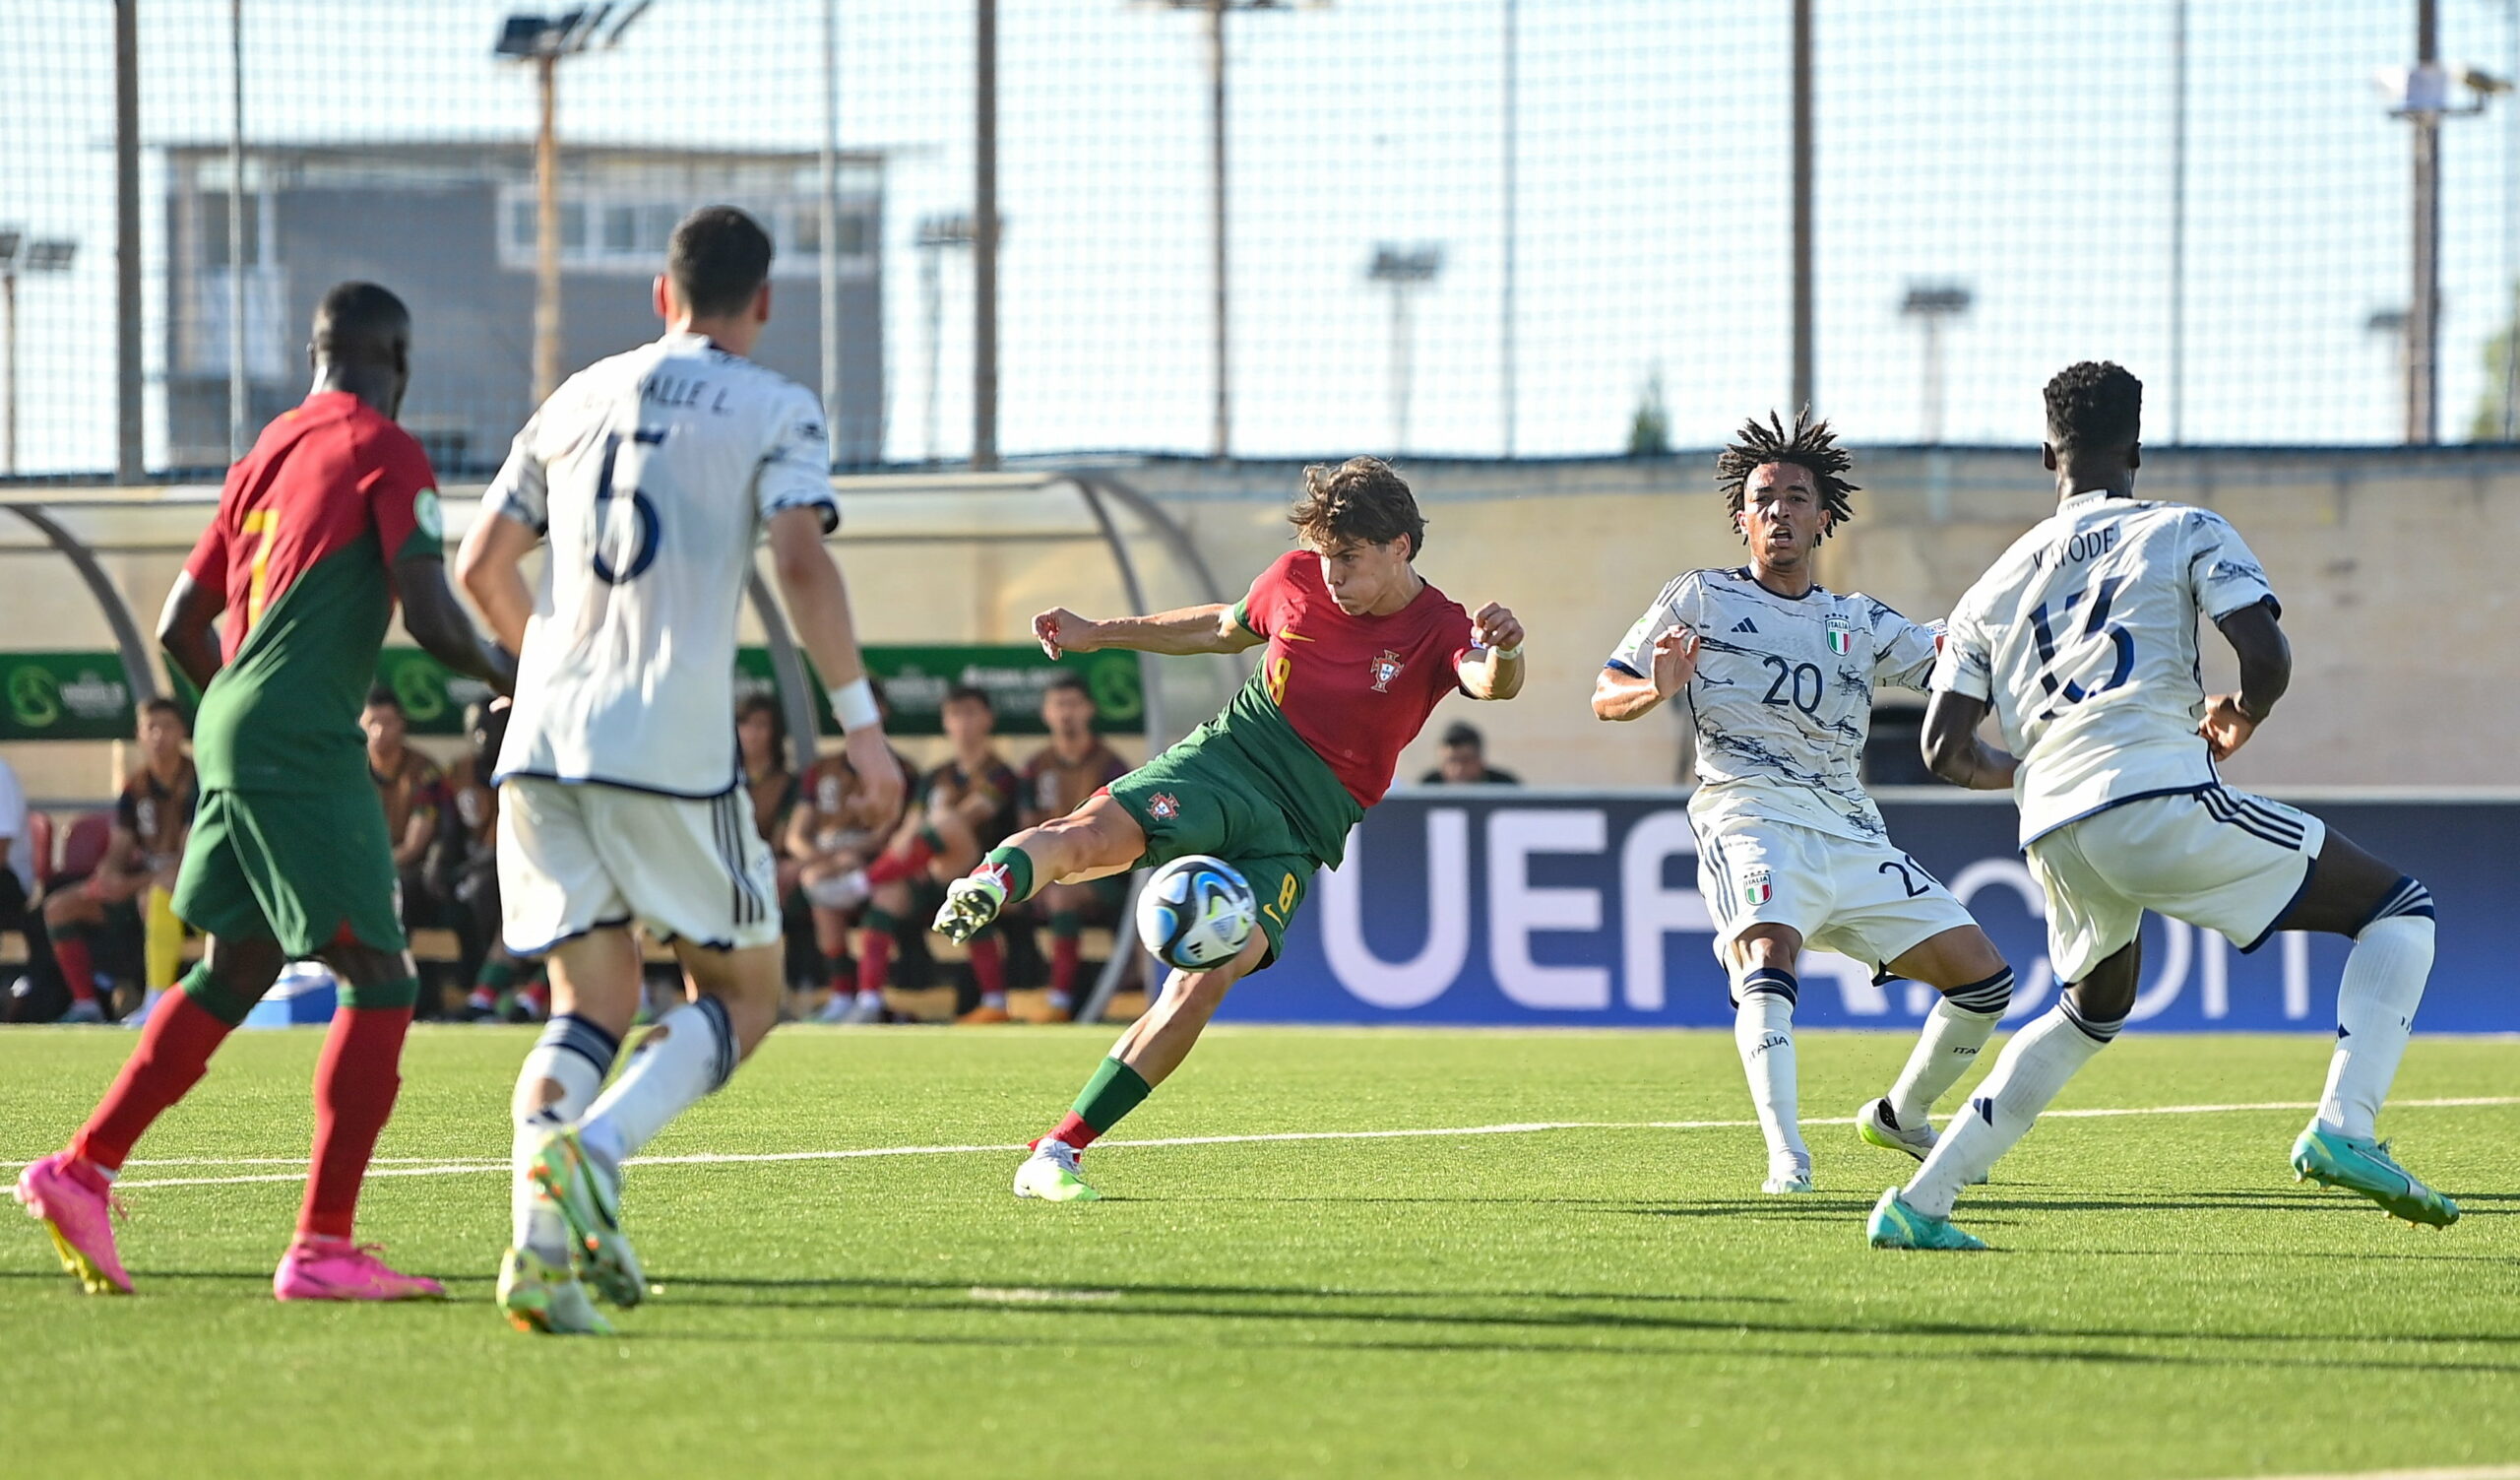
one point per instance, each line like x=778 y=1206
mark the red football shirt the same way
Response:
x=1356 y=689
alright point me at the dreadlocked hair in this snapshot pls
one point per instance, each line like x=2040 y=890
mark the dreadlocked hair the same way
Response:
x=1810 y=445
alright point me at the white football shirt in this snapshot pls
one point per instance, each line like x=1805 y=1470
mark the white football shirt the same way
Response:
x=1783 y=695
x=651 y=473
x=2082 y=638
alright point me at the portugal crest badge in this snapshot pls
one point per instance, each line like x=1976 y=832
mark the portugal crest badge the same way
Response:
x=1163 y=806
x=1385 y=669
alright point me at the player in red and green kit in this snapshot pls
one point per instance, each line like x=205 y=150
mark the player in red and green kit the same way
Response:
x=1360 y=650
x=332 y=514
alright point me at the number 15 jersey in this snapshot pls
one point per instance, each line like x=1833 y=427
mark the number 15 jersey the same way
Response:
x=651 y=473
x=2082 y=638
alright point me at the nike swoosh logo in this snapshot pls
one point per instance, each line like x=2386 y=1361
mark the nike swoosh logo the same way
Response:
x=1293 y=636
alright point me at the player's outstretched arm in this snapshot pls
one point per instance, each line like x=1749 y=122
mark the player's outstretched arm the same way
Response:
x=1622 y=695
x=437 y=622
x=1953 y=749
x=1211 y=629
x=1495 y=670
x=184 y=627
x=2266 y=670
x=818 y=604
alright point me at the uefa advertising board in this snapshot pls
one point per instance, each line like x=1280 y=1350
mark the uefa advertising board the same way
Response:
x=1500 y=906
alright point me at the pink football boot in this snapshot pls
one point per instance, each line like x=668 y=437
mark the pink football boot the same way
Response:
x=77 y=1212
x=320 y=1268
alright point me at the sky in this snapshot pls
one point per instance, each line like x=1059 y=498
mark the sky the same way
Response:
x=2023 y=151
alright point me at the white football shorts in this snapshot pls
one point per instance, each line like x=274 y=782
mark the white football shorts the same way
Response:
x=1864 y=899
x=2220 y=859
x=576 y=858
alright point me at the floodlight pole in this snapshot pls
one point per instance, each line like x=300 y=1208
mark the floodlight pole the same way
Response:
x=984 y=247
x=2179 y=224
x=130 y=422
x=829 y=261
x=9 y=340
x=2423 y=308
x=1505 y=303
x=238 y=392
x=1221 y=436
x=1803 y=370
x=546 y=233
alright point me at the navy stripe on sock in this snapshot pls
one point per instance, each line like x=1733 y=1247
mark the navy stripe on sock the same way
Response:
x=1994 y=994
x=2096 y=1032
x=722 y=1039
x=2408 y=898
x=1770 y=980
x=584 y=1038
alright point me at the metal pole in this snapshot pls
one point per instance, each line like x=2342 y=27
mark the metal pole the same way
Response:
x=830 y=263
x=2178 y=224
x=1933 y=380
x=1221 y=439
x=9 y=391
x=985 y=250
x=237 y=391
x=2424 y=311
x=1399 y=368
x=546 y=244
x=129 y=420
x=931 y=286
x=1804 y=389
x=2511 y=230
x=1505 y=307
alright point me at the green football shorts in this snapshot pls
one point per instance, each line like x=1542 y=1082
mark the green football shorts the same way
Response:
x=1194 y=799
x=305 y=869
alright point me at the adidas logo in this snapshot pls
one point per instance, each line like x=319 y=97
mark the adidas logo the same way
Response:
x=1743 y=625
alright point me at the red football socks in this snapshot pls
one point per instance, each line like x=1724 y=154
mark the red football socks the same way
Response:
x=989 y=969
x=874 y=959
x=78 y=965
x=910 y=863
x=355 y=1082
x=1074 y=1131
x=174 y=1051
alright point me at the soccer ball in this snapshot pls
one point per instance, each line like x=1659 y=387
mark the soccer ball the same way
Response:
x=1196 y=912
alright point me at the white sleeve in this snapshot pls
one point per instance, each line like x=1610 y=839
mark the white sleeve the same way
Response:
x=519 y=492
x=13 y=809
x=1965 y=664
x=1635 y=651
x=795 y=465
x=2222 y=575
x=1903 y=651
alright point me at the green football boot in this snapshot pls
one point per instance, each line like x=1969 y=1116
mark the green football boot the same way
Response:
x=2333 y=1159
x=971 y=903
x=588 y=1198
x=1894 y=1225
x=1050 y=1174
x=537 y=1296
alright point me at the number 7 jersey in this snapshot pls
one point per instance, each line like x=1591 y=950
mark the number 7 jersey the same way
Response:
x=653 y=475
x=2082 y=638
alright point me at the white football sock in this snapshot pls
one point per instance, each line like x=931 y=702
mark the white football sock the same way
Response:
x=2375 y=1012
x=1763 y=1031
x=1945 y=1048
x=571 y=1057
x=686 y=1056
x=2033 y=1067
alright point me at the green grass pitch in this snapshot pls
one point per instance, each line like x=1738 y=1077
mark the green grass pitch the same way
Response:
x=2163 y=1300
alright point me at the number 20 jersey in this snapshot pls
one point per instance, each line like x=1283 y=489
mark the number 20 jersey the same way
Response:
x=651 y=473
x=1783 y=697
x=2082 y=638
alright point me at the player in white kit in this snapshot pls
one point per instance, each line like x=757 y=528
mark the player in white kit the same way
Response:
x=653 y=475
x=1778 y=675
x=2082 y=640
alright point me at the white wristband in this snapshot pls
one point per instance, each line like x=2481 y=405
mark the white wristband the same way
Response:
x=854 y=705
x=1510 y=655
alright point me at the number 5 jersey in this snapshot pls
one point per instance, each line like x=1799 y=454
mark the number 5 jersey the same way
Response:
x=1783 y=695
x=2082 y=638
x=653 y=475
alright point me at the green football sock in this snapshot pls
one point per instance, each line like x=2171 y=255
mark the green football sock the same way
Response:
x=1114 y=1090
x=1019 y=871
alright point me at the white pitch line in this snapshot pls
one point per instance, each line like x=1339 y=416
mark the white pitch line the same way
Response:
x=454 y=1166
x=2457 y=1472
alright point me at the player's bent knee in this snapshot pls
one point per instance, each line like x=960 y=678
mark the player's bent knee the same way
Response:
x=1988 y=997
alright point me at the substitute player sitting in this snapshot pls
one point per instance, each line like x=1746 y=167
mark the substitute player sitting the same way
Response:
x=2082 y=640
x=1360 y=650
x=1061 y=777
x=119 y=904
x=1779 y=672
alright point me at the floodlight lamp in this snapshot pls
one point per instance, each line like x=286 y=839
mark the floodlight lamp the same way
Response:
x=53 y=257
x=11 y=238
